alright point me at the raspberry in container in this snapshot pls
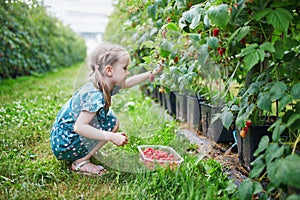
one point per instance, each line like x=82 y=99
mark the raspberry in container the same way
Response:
x=154 y=156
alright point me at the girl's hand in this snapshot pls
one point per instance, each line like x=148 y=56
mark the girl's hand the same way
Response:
x=119 y=139
x=159 y=68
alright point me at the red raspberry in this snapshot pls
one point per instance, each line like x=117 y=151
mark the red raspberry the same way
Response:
x=243 y=41
x=221 y=51
x=176 y=59
x=248 y=123
x=215 y=32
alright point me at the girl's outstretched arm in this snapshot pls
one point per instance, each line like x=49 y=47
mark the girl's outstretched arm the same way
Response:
x=136 y=79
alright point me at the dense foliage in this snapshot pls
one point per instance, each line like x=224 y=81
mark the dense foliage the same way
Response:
x=33 y=42
x=241 y=54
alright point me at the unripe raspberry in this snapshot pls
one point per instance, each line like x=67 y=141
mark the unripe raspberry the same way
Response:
x=243 y=133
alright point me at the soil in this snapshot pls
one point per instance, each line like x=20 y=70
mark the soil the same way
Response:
x=218 y=151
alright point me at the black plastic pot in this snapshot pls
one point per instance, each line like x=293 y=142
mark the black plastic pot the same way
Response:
x=164 y=100
x=248 y=145
x=154 y=94
x=159 y=95
x=214 y=130
x=146 y=91
x=201 y=99
x=181 y=107
x=193 y=111
x=170 y=99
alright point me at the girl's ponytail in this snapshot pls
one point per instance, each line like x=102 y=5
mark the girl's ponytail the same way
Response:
x=102 y=86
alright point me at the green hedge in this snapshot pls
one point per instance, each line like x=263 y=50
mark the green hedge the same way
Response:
x=33 y=42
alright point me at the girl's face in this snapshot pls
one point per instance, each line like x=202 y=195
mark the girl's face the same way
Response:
x=120 y=71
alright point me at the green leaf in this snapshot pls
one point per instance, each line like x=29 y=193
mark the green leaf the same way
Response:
x=195 y=37
x=245 y=190
x=233 y=35
x=295 y=91
x=273 y=151
x=231 y=187
x=261 y=54
x=260 y=14
x=152 y=10
x=227 y=119
x=278 y=129
x=277 y=91
x=212 y=42
x=239 y=34
x=188 y=16
x=257 y=188
x=206 y=21
x=219 y=15
x=240 y=120
x=258 y=160
x=181 y=23
x=293 y=119
x=280 y=19
x=279 y=49
x=267 y=46
x=244 y=102
x=171 y=26
x=165 y=49
x=293 y=197
x=264 y=102
x=250 y=60
x=250 y=109
x=253 y=88
x=257 y=169
x=284 y=101
x=202 y=54
x=264 y=196
x=181 y=4
x=160 y=3
x=286 y=171
x=235 y=108
x=148 y=44
x=242 y=33
x=263 y=144
x=249 y=49
x=195 y=21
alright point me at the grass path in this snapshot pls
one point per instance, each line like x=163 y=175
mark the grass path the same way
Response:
x=28 y=170
x=27 y=166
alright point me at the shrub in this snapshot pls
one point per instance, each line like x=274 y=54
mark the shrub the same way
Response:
x=32 y=41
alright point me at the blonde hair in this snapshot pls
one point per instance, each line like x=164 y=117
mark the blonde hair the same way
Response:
x=105 y=54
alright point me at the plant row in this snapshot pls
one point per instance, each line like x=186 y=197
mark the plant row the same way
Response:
x=32 y=41
x=242 y=56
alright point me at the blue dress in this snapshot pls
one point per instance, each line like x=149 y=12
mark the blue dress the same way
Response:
x=65 y=143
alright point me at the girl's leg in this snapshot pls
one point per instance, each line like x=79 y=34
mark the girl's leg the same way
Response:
x=90 y=167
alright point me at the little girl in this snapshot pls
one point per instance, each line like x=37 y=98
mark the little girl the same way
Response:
x=86 y=122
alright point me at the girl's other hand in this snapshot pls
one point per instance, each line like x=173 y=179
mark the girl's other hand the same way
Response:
x=119 y=139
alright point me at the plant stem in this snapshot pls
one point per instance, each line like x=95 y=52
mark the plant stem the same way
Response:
x=262 y=29
x=295 y=144
x=263 y=176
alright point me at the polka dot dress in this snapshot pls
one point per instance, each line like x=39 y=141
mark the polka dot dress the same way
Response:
x=65 y=143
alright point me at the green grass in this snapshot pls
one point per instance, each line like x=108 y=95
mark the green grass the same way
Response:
x=28 y=170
